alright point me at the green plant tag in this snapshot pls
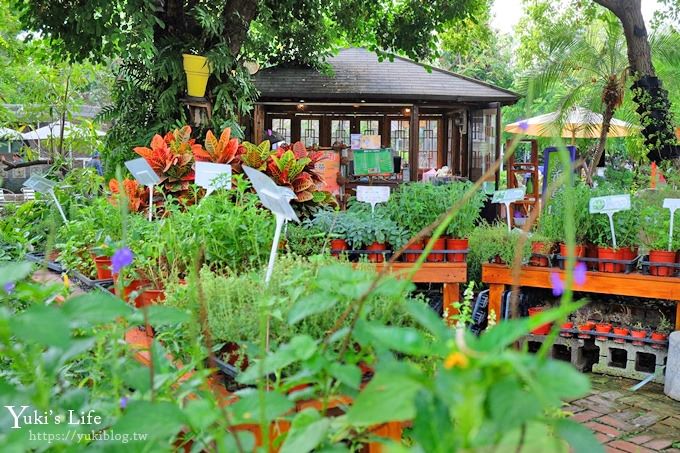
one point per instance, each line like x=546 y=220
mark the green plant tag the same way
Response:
x=611 y=203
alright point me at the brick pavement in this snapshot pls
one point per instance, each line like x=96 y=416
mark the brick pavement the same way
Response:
x=629 y=422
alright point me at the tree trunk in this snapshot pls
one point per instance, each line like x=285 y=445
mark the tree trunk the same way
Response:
x=648 y=93
x=606 y=122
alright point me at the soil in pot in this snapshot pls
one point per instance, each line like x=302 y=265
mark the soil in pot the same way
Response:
x=580 y=250
x=103 y=265
x=661 y=256
x=413 y=257
x=642 y=334
x=439 y=244
x=567 y=325
x=376 y=257
x=620 y=331
x=658 y=336
x=603 y=328
x=337 y=246
x=584 y=328
x=608 y=253
x=456 y=244
x=545 y=328
x=539 y=248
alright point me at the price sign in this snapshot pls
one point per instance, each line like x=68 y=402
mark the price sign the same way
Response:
x=44 y=185
x=672 y=204
x=610 y=205
x=373 y=194
x=212 y=176
x=144 y=175
x=506 y=197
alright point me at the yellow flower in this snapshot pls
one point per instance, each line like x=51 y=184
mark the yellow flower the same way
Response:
x=66 y=280
x=456 y=359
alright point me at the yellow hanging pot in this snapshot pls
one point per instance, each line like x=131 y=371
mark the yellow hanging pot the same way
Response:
x=198 y=72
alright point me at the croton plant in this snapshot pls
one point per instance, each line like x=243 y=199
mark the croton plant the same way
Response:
x=136 y=194
x=172 y=158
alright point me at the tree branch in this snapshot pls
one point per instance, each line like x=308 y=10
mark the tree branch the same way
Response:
x=31 y=163
x=614 y=6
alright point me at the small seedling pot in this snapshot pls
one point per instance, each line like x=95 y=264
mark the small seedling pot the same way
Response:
x=567 y=325
x=603 y=328
x=658 y=336
x=642 y=334
x=338 y=245
x=608 y=253
x=376 y=257
x=456 y=244
x=620 y=331
x=413 y=257
x=439 y=244
x=545 y=328
x=662 y=256
x=540 y=248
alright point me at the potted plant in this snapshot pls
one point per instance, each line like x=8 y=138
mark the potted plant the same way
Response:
x=655 y=225
x=638 y=331
x=663 y=329
x=552 y=218
x=567 y=325
x=541 y=247
x=545 y=328
x=602 y=326
x=583 y=322
x=336 y=225
x=465 y=220
x=623 y=318
x=197 y=69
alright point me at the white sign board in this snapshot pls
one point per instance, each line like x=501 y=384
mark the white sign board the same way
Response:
x=142 y=172
x=509 y=195
x=672 y=204
x=44 y=185
x=273 y=197
x=611 y=203
x=212 y=176
x=373 y=194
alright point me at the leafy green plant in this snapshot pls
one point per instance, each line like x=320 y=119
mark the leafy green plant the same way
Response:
x=416 y=205
x=551 y=222
x=467 y=218
x=490 y=242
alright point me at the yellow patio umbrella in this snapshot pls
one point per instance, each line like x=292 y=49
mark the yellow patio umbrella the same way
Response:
x=578 y=123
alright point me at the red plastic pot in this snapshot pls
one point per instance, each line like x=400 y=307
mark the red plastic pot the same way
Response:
x=456 y=244
x=439 y=244
x=628 y=253
x=591 y=252
x=545 y=328
x=539 y=248
x=661 y=256
x=567 y=325
x=642 y=334
x=338 y=245
x=376 y=257
x=608 y=253
x=580 y=250
x=134 y=285
x=103 y=265
x=588 y=326
x=149 y=297
x=603 y=328
x=413 y=257
x=620 y=331
x=658 y=336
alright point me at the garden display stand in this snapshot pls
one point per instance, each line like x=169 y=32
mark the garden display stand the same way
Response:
x=145 y=175
x=499 y=276
x=518 y=168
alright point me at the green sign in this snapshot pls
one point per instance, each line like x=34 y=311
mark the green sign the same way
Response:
x=373 y=161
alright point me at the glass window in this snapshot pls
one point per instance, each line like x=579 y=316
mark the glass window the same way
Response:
x=369 y=127
x=427 y=143
x=399 y=138
x=340 y=131
x=282 y=126
x=309 y=132
x=483 y=136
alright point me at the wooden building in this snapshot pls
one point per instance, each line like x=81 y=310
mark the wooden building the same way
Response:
x=433 y=118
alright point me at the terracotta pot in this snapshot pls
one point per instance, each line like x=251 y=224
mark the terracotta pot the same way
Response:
x=413 y=257
x=54 y=256
x=638 y=334
x=540 y=249
x=149 y=296
x=579 y=249
x=628 y=253
x=338 y=245
x=658 y=336
x=567 y=325
x=545 y=328
x=620 y=331
x=134 y=285
x=439 y=244
x=376 y=257
x=456 y=244
x=608 y=253
x=588 y=326
x=661 y=256
x=103 y=265
x=603 y=328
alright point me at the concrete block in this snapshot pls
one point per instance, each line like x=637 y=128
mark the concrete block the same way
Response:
x=672 y=385
x=571 y=350
x=630 y=361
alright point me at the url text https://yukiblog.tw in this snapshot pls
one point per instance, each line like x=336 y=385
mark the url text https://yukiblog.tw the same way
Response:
x=72 y=436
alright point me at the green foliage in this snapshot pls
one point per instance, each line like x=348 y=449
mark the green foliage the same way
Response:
x=654 y=221
x=552 y=221
x=467 y=217
x=627 y=224
x=488 y=242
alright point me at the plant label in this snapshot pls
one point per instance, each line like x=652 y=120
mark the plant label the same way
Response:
x=672 y=204
x=509 y=195
x=610 y=205
x=212 y=176
x=142 y=172
x=273 y=197
x=373 y=194
x=44 y=185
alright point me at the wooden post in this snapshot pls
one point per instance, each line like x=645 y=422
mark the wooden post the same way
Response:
x=413 y=144
x=258 y=124
x=451 y=295
x=443 y=142
x=495 y=299
x=498 y=142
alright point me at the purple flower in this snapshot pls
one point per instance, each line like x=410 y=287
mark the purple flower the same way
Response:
x=9 y=287
x=524 y=125
x=557 y=283
x=123 y=402
x=123 y=257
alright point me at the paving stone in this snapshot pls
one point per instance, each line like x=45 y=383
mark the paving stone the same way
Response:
x=602 y=438
x=616 y=423
x=609 y=449
x=629 y=447
x=659 y=444
x=641 y=439
x=611 y=394
x=585 y=416
x=601 y=404
x=573 y=409
x=671 y=421
x=624 y=415
x=604 y=429
x=583 y=402
x=646 y=420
